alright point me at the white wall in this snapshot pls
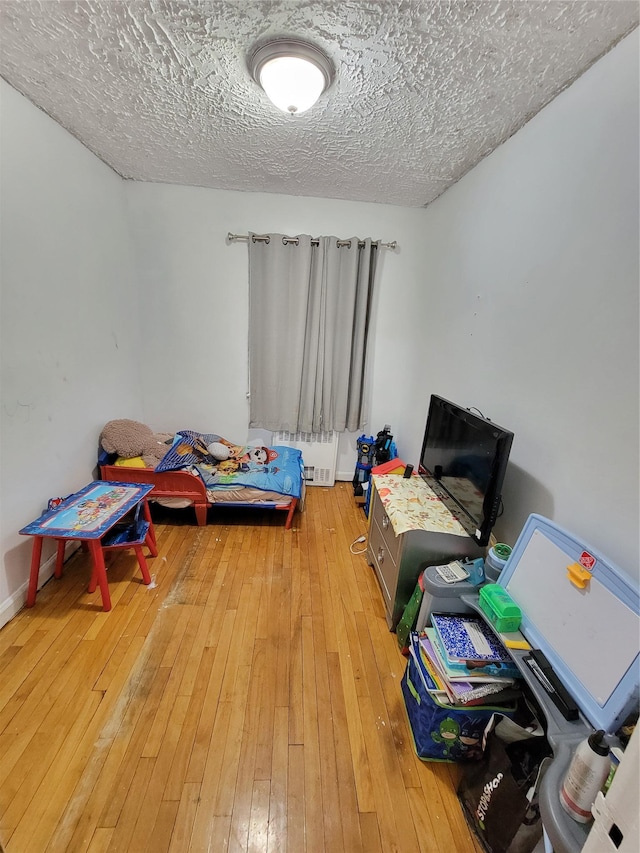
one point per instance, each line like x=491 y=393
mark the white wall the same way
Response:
x=195 y=298
x=530 y=305
x=69 y=322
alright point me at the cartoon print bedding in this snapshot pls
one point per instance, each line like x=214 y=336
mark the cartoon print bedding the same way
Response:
x=276 y=469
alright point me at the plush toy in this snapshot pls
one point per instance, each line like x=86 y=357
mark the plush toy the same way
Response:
x=220 y=452
x=130 y=439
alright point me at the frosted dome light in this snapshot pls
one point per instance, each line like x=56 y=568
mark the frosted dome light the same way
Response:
x=292 y=73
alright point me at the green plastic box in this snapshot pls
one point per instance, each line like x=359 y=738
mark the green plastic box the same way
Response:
x=502 y=611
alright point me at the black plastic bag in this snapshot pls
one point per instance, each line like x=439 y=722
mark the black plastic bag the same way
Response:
x=499 y=795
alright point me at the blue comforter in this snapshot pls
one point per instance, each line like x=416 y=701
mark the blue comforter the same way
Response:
x=274 y=469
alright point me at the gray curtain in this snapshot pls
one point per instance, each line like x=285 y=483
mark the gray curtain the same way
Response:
x=309 y=322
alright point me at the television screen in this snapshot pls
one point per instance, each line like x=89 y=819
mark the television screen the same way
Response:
x=466 y=454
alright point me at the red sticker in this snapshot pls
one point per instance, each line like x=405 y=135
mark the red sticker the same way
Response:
x=587 y=560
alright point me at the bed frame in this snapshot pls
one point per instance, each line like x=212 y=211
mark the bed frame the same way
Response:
x=182 y=484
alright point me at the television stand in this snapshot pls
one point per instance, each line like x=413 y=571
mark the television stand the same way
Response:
x=410 y=528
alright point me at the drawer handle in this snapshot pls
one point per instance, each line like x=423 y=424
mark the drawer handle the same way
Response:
x=381 y=555
x=385 y=522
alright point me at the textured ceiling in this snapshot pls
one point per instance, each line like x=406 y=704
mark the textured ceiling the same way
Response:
x=160 y=90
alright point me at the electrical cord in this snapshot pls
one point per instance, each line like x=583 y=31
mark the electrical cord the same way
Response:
x=356 y=542
x=475 y=408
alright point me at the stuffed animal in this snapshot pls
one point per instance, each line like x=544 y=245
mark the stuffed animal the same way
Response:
x=218 y=451
x=130 y=439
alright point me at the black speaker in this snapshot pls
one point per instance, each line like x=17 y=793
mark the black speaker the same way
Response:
x=408 y=471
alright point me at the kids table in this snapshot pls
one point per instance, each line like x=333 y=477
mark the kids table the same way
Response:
x=87 y=516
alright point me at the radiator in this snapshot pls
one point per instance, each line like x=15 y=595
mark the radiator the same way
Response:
x=319 y=454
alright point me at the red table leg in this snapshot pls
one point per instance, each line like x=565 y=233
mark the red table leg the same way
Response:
x=60 y=558
x=36 y=554
x=99 y=574
x=146 y=577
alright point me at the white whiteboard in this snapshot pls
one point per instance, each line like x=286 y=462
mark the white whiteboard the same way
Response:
x=591 y=630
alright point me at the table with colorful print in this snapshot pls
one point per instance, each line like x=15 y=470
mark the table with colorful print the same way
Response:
x=87 y=516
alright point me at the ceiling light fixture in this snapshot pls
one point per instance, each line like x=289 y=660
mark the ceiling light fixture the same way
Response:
x=292 y=73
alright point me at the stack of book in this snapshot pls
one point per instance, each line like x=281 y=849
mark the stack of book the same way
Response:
x=462 y=662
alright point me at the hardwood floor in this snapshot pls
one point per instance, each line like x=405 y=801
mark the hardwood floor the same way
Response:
x=249 y=701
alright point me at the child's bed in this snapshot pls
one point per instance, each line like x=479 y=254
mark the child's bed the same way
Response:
x=258 y=477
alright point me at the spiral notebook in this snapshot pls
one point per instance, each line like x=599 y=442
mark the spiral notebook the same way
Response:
x=468 y=638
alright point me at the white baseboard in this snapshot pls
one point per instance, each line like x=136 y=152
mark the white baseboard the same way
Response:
x=14 y=604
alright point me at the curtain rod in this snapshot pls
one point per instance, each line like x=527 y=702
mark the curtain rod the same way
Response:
x=264 y=238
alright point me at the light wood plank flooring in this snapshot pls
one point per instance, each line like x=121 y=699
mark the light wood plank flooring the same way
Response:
x=249 y=701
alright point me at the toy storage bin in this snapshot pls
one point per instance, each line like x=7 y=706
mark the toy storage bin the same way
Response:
x=444 y=732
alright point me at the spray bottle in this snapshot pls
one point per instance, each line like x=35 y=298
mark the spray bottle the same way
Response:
x=586 y=775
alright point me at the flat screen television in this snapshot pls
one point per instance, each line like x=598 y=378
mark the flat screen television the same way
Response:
x=464 y=459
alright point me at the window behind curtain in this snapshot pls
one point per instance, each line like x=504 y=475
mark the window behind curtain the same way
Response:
x=310 y=305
